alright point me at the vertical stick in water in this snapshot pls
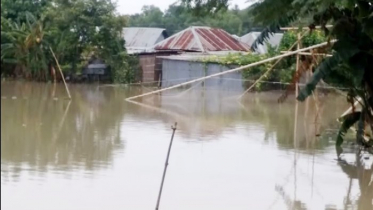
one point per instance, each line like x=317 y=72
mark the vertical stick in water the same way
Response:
x=165 y=166
x=63 y=77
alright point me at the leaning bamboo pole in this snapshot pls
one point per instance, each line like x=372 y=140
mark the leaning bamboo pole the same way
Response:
x=233 y=70
x=63 y=77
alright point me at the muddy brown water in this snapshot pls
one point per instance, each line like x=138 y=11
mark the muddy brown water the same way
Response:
x=99 y=151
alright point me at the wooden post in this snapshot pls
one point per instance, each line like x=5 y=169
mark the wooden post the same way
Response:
x=165 y=166
x=63 y=78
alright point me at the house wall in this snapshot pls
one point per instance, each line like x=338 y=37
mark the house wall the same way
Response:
x=151 y=66
x=147 y=63
x=178 y=71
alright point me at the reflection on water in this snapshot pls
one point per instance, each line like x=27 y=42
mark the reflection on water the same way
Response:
x=100 y=152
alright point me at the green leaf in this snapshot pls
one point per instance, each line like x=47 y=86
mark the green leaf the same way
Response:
x=348 y=121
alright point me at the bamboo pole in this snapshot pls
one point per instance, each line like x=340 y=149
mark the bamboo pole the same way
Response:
x=233 y=70
x=63 y=77
x=165 y=166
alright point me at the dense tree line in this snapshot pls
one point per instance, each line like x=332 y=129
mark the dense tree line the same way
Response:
x=75 y=30
x=179 y=17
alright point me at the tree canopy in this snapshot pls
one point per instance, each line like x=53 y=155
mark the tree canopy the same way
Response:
x=75 y=30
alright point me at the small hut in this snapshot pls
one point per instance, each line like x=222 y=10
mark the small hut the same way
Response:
x=193 y=44
x=96 y=70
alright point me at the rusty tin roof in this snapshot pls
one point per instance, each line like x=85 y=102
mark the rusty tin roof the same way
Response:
x=202 y=39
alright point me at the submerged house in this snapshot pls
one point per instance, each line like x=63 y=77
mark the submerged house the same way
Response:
x=273 y=40
x=192 y=45
x=178 y=69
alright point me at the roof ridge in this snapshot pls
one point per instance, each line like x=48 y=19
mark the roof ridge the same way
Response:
x=196 y=36
x=173 y=36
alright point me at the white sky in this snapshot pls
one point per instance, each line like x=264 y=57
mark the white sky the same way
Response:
x=134 y=6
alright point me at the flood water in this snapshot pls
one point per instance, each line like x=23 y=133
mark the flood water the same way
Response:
x=99 y=151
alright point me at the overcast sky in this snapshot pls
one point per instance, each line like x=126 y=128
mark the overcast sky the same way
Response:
x=134 y=6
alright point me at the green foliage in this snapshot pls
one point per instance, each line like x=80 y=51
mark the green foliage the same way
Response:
x=124 y=72
x=75 y=30
x=290 y=37
x=25 y=46
x=237 y=59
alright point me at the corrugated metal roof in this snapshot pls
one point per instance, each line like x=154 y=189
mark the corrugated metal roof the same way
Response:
x=274 y=40
x=143 y=37
x=202 y=39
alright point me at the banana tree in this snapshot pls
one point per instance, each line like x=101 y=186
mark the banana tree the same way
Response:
x=25 y=47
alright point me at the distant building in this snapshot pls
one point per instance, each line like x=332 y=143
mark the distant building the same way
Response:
x=96 y=69
x=274 y=40
x=193 y=44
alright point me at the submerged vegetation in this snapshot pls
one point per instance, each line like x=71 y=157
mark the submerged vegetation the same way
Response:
x=75 y=30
